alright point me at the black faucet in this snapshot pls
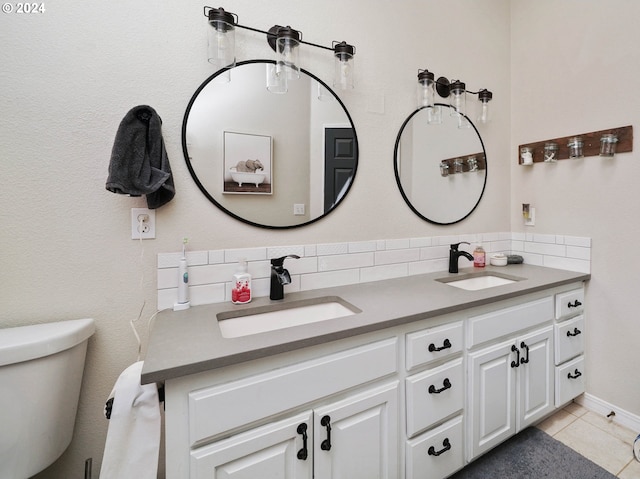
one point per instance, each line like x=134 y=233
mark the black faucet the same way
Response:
x=279 y=276
x=454 y=254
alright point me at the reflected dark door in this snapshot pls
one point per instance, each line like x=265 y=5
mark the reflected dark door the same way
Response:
x=340 y=153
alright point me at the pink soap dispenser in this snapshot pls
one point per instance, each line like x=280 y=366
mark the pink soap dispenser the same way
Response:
x=479 y=257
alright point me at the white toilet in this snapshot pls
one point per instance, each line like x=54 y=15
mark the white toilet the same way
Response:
x=41 y=370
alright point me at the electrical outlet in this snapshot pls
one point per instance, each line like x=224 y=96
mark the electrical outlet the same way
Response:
x=143 y=223
x=298 y=209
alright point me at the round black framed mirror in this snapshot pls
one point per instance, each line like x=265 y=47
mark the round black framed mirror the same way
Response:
x=270 y=160
x=440 y=169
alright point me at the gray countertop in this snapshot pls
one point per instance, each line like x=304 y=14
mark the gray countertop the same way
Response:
x=190 y=341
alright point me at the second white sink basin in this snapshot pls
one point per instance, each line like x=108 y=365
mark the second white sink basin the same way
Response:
x=478 y=281
x=234 y=324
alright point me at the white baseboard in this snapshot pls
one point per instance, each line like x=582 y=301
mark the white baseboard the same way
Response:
x=622 y=417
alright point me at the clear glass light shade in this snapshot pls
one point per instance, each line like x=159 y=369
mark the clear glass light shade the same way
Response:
x=458 y=98
x=425 y=96
x=484 y=112
x=288 y=62
x=276 y=83
x=343 y=71
x=222 y=44
x=426 y=91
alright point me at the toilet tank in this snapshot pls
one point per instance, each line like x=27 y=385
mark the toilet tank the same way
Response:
x=41 y=369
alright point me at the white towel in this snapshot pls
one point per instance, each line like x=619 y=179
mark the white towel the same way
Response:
x=133 y=438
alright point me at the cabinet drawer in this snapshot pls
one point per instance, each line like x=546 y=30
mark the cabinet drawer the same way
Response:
x=569 y=339
x=569 y=303
x=433 y=395
x=217 y=409
x=433 y=344
x=437 y=453
x=507 y=321
x=569 y=381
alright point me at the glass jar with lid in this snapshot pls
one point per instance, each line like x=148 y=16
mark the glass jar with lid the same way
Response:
x=550 y=152
x=608 y=145
x=575 y=147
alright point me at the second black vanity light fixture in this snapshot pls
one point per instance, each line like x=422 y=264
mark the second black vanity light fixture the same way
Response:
x=456 y=91
x=283 y=40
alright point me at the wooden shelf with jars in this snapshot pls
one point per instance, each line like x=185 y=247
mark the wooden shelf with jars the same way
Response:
x=620 y=140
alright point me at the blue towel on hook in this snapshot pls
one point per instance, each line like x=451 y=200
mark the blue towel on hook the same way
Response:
x=139 y=163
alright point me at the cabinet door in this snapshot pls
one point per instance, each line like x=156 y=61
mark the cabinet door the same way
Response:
x=358 y=437
x=492 y=386
x=273 y=450
x=535 y=377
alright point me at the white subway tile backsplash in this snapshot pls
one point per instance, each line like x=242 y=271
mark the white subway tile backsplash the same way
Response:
x=329 y=279
x=397 y=244
x=216 y=256
x=397 y=256
x=336 y=264
x=578 y=252
x=420 y=242
x=345 y=261
x=332 y=248
x=545 y=248
x=250 y=254
x=570 y=264
x=377 y=273
x=362 y=247
x=280 y=251
x=578 y=241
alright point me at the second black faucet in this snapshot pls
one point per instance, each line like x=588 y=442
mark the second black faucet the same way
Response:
x=454 y=254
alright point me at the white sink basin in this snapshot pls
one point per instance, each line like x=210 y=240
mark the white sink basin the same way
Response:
x=234 y=324
x=478 y=281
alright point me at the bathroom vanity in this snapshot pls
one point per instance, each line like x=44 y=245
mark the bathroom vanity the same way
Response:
x=420 y=376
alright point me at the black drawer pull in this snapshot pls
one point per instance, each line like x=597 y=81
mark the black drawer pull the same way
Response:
x=326 y=422
x=447 y=445
x=446 y=384
x=575 y=375
x=445 y=345
x=575 y=332
x=516 y=363
x=523 y=360
x=303 y=453
x=575 y=304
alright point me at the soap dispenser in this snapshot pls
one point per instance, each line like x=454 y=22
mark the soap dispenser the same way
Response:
x=479 y=257
x=241 y=292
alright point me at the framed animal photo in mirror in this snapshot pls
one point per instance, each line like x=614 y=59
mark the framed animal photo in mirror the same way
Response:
x=247 y=164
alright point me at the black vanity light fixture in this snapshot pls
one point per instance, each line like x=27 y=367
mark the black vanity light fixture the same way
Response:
x=456 y=91
x=285 y=41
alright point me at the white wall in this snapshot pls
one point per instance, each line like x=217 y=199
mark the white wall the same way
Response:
x=573 y=65
x=68 y=77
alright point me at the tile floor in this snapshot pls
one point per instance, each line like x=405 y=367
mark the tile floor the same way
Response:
x=602 y=441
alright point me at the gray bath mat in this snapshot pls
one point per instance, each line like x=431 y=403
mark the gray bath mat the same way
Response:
x=532 y=454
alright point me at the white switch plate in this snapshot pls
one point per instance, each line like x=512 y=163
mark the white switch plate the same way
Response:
x=531 y=220
x=298 y=209
x=143 y=223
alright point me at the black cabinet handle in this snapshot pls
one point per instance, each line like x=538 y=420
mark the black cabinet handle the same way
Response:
x=447 y=445
x=445 y=345
x=326 y=422
x=446 y=384
x=575 y=304
x=575 y=375
x=576 y=331
x=516 y=363
x=303 y=453
x=524 y=360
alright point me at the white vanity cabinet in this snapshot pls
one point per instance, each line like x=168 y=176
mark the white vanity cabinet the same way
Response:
x=433 y=396
x=510 y=381
x=414 y=400
x=330 y=416
x=569 y=345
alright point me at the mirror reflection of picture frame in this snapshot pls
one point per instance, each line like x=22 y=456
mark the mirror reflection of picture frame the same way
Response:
x=248 y=164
